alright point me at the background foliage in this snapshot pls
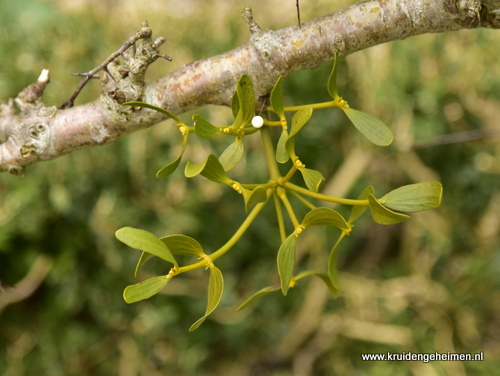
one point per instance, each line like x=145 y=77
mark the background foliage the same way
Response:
x=429 y=284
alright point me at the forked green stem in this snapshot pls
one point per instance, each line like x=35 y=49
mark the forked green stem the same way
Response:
x=288 y=206
x=229 y=244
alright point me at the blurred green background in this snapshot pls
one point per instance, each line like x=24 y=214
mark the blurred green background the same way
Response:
x=430 y=284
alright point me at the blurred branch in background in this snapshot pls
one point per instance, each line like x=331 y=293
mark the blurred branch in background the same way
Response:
x=28 y=285
x=454 y=138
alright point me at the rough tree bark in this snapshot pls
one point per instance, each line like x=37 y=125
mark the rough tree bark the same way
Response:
x=30 y=131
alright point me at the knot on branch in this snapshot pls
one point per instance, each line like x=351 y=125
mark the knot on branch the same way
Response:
x=124 y=80
x=261 y=39
x=490 y=17
x=30 y=137
x=30 y=132
x=124 y=69
x=466 y=12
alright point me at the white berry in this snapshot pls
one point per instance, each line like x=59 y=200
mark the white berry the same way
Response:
x=257 y=121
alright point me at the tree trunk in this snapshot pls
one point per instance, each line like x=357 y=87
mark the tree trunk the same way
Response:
x=31 y=132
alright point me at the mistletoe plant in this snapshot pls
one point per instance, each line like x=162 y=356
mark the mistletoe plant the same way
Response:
x=384 y=210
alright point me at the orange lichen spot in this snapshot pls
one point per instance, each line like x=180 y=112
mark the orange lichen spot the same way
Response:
x=176 y=88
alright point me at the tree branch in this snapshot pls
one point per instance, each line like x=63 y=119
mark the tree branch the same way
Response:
x=144 y=33
x=32 y=132
x=28 y=285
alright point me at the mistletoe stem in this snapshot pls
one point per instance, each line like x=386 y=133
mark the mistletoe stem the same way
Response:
x=229 y=244
x=279 y=216
x=270 y=154
x=322 y=197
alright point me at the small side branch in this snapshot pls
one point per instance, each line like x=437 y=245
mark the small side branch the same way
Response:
x=298 y=12
x=144 y=33
x=252 y=25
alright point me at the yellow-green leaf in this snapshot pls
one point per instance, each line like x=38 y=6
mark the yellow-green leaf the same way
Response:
x=383 y=215
x=332 y=80
x=145 y=241
x=232 y=155
x=286 y=261
x=171 y=167
x=203 y=128
x=145 y=289
x=281 y=152
x=277 y=99
x=257 y=295
x=414 y=197
x=357 y=211
x=246 y=98
x=183 y=245
x=211 y=169
x=215 y=289
x=324 y=217
x=142 y=260
x=332 y=270
x=312 y=178
x=300 y=118
x=290 y=148
x=253 y=197
x=370 y=127
x=235 y=105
